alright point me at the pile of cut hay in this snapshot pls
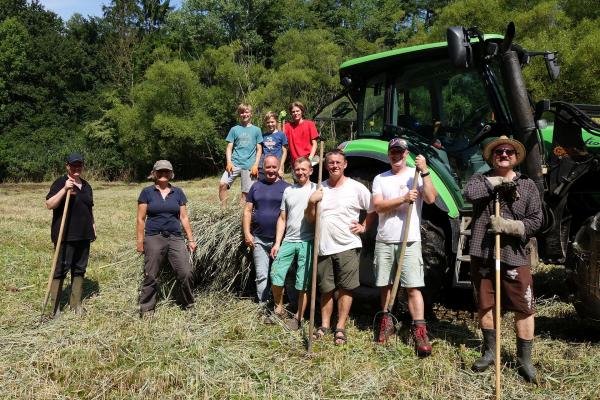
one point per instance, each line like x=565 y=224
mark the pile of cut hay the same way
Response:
x=222 y=260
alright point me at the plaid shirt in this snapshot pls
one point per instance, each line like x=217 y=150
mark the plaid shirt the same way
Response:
x=528 y=208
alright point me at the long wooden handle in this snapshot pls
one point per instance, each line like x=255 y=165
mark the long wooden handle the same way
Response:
x=313 y=286
x=57 y=249
x=392 y=298
x=498 y=319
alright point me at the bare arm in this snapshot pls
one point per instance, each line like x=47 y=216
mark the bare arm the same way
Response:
x=228 y=152
x=310 y=212
x=383 y=206
x=185 y=222
x=429 y=191
x=246 y=219
x=55 y=200
x=258 y=154
x=313 y=149
x=283 y=158
x=141 y=221
x=279 y=231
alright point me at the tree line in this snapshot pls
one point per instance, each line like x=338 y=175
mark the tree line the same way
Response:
x=145 y=81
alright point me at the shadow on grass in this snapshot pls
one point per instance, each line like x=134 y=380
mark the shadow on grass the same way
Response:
x=90 y=288
x=571 y=329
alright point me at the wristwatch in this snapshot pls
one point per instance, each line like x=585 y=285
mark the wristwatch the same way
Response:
x=423 y=175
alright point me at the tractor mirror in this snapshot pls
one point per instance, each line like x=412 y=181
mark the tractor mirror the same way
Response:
x=459 y=48
x=552 y=65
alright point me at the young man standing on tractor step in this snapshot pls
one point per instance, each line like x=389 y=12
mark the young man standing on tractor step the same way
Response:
x=392 y=195
x=297 y=243
x=342 y=199
x=520 y=218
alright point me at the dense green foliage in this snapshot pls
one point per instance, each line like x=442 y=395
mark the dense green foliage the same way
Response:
x=146 y=81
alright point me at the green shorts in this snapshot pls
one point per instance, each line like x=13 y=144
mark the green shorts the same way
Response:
x=386 y=258
x=339 y=271
x=285 y=257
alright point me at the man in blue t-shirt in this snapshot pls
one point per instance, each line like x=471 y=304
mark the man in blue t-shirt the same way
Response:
x=260 y=219
x=242 y=155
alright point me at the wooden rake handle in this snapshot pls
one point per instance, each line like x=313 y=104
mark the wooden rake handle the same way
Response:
x=498 y=318
x=61 y=232
x=392 y=298
x=313 y=286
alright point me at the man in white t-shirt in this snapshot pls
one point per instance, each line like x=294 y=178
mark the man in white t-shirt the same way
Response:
x=297 y=243
x=392 y=195
x=342 y=199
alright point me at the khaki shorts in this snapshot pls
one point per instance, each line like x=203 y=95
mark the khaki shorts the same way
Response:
x=386 y=260
x=247 y=179
x=339 y=271
x=516 y=286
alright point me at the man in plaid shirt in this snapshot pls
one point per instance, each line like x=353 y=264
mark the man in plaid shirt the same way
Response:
x=520 y=218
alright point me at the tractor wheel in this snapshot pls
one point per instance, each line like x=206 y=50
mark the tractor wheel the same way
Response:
x=584 y=260
x=433 y=247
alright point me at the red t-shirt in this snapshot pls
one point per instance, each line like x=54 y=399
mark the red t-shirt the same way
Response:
x=299 y=138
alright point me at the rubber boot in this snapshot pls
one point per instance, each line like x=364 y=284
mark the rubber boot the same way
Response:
x=524 y=365
x=488 y=351
x=55 y=293
x=76 y=292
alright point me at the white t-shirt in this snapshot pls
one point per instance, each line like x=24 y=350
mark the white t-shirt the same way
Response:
x=391 y=224
x=339 y=207
x=294 y=202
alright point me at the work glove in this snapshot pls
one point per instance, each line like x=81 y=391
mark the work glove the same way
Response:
x=254 y=170
x=505 y=226
x=506 y=187
x=229 y=167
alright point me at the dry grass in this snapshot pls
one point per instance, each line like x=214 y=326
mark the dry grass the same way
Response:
x=219 y=348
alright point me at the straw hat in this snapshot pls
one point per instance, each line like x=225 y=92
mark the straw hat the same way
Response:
x=490 y=144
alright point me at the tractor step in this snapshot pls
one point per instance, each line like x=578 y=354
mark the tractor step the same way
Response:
x=462 y=264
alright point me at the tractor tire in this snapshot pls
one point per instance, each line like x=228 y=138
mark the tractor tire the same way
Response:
x=584 y=260
x=433 y=247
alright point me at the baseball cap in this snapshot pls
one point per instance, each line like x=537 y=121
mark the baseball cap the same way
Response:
x=398 y=143
x=162 y=164
x=74 y=157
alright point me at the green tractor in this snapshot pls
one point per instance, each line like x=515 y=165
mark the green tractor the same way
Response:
x=445 y=99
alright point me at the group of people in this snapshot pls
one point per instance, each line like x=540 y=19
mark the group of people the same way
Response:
x=278 y=224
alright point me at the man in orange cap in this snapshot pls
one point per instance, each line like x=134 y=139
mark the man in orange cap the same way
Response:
x=520 y=218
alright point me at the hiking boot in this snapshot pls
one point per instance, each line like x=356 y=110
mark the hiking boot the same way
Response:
x=524 y=365
x=55 y=292
x=386 y=328
x=422 y=346
x=76 y=292
x=488 y=351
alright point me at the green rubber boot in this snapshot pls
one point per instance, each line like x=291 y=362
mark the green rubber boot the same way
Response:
x=55 y=292
x=76 y=292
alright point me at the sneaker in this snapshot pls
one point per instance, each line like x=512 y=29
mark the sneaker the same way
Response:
x=422 y=346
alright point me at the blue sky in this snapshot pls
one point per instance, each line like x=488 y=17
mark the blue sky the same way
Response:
x=66 y=8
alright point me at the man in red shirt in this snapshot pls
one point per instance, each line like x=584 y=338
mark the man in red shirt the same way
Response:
x=301 y=134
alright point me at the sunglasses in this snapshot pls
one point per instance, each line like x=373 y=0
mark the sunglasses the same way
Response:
x=508 y=152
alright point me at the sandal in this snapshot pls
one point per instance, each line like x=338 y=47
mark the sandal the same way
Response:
x=321 y=332
x=339 y=340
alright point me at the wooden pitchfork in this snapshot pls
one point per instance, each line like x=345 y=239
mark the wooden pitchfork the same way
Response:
x=57 y=248
x=387 y=326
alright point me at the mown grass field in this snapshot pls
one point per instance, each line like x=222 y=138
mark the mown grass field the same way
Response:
x=220 y=349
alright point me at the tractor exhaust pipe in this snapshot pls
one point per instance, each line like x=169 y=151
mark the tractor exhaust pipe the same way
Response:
x=522 y=113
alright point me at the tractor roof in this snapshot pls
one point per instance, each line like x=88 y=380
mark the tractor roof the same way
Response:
x=378 y=62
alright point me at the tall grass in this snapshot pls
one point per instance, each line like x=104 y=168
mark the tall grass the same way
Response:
x=220 y=348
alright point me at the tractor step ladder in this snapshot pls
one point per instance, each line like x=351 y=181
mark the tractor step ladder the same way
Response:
x=462 y=265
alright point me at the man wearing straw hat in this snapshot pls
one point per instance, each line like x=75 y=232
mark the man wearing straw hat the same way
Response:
x=392 y=195
x=342 y=199
x=520 y=218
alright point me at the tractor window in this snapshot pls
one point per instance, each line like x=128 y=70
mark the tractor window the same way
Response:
x=465 y=103
x=413 y=108
x=373 y=107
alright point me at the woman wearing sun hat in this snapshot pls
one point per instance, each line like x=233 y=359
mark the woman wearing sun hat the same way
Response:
x=520 y=218
x=161 y=214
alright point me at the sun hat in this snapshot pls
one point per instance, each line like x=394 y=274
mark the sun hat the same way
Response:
x=162 y=164
x=491 y=143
